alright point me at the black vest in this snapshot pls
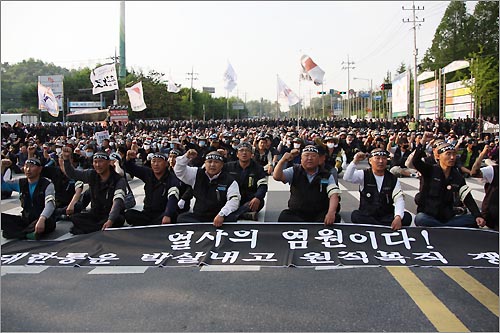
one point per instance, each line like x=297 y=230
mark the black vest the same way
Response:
x=156 y=192
x=102 y=192
x=210 y=196
x=32 y=208
x=247 y=179
x=437 y=194
x=309 y=198
x=489 y=206
x=375 y=203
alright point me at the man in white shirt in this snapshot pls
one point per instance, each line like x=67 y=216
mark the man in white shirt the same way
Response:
x=381 y=198
x=217 y=193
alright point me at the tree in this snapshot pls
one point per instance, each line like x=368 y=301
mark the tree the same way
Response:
x=19 y=84
x=484 y=23
x=452 y=39
x=484 y=85
x=402 y=68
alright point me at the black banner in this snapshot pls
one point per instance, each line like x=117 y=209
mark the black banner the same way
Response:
x=263 y=244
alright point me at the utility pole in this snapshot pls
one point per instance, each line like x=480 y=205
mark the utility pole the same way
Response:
x=415 y=53
x=123 y=70
x=348 y=67
x=192 y=74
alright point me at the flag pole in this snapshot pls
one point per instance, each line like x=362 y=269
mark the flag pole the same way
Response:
x=300 y=105
x=227 y=105
x=277 y=98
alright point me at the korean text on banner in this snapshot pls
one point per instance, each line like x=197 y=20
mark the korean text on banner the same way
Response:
x=103 y=79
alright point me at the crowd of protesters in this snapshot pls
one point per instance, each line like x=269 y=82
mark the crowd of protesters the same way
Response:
x=337 y=140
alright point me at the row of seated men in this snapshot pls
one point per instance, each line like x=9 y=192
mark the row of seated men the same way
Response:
x=226 y=192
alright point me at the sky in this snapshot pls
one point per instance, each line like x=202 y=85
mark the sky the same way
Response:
x=261 y=39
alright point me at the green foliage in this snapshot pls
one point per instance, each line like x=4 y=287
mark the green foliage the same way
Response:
x=484 y=25
x=484 y=87
x=19 y=83
x=452 y=39
x=402 y=68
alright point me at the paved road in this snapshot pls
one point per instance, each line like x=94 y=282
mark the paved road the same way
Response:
x=221 y=298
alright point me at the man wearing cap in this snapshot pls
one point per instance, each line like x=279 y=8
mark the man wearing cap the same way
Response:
x=252 y=181
x=37 y=197
x=216 y=192
x=107 y=190
x=314 y=195
x=381 y=200
x=440 y=185
x=161 y=191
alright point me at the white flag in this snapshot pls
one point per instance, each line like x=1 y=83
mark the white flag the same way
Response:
x=229 y=78
x=312 y=70
x=286 y=97
x=172 y=86
x=104 y=78
x=136 y=97
x=47 y=100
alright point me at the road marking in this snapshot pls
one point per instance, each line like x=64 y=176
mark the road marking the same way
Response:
x=229 y=268
x=21 y=269
x=119 y=270
x=485 y=296
x=437 y=313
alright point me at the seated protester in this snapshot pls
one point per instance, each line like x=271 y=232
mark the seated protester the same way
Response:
x=116 y=162
x=161 y=191
x=441 y=184
x=265 y=155
x=87 y=161
x=216 y=192
x=468 y=157
x=37 y=201
x=232 y=150
x=489 y=175
x=459 y=207
x=201 y=148
x=492 y=157
x=107 y=191
x=64 y=187
x=252 y=182
x=185 y=191
x=381 y=198
x=333 y=154
x=350 y=146
x=6 y=176
x=401 y=153
x=314 y=195
x=298 y=144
